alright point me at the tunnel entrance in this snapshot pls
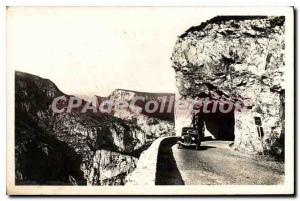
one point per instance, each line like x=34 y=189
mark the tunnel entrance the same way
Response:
x=219 y=125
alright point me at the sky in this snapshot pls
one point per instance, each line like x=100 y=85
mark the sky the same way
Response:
x=94 y=50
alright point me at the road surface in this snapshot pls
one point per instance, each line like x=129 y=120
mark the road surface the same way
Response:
x=216 y=163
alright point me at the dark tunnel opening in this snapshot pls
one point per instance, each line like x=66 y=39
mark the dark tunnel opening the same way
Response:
x=220 y=125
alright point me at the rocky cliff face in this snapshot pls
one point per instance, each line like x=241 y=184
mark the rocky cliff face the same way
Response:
x=70 y=148
x=237 y=58
x=154 y=124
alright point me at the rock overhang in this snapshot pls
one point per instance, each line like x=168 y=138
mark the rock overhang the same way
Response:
x=238 y=58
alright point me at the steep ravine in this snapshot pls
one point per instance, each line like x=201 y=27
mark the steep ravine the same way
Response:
x=71 y=148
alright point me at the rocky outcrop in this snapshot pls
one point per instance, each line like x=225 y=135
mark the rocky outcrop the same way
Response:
x=238 y=58
x=165 y=103
x=158 y=123
x=106 y=168
x=72 y=148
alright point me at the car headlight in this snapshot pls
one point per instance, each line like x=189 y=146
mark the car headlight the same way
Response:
x=182 y=137
x=193 y=138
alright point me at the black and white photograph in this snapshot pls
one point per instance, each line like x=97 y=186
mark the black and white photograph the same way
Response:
x=150 y=100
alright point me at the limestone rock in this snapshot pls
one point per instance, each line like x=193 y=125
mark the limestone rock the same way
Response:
x=240 y=58
x=156 y=124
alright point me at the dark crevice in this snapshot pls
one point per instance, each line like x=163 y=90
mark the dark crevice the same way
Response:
x=44 y=160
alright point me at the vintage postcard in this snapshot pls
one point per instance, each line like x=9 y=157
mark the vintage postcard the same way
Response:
x=150 y=100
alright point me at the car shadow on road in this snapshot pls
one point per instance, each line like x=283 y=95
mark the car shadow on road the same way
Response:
x=167 y=172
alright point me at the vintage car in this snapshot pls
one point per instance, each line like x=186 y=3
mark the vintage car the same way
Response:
x=189 y=138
